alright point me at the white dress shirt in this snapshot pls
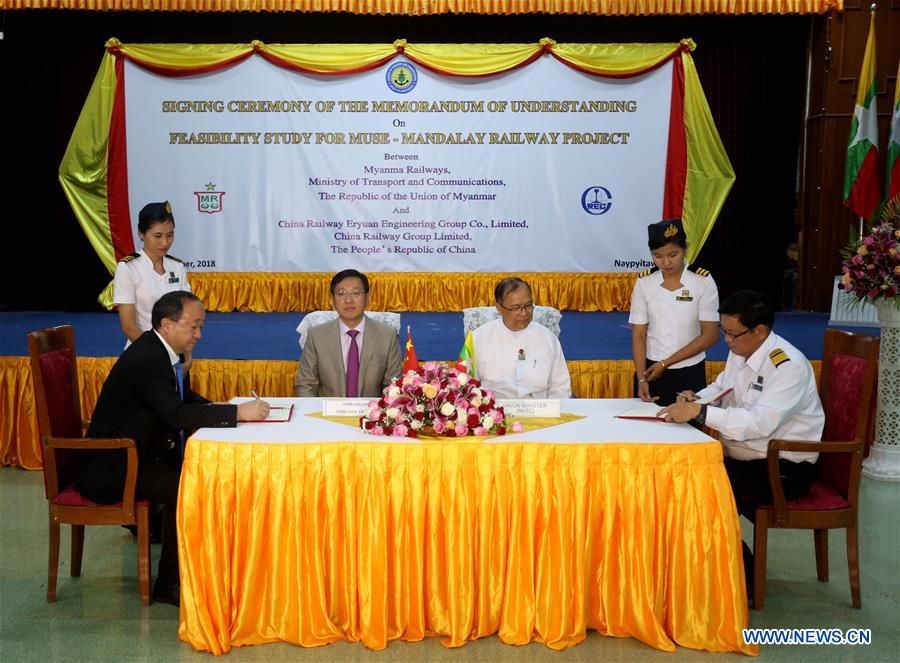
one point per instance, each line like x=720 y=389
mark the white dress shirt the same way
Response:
x=521 y=364
x=673 y=317
x=773 y=398
x=136 y=282
x=345 y=339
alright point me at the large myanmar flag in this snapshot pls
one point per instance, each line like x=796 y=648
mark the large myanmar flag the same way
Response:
x=893 y=151
x=862 y=188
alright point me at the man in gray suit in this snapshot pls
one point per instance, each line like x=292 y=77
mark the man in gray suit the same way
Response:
x=352 y=356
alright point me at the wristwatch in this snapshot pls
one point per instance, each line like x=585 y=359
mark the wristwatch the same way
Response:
x=701 y=418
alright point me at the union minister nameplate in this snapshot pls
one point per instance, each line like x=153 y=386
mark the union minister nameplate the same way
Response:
x=345 y=407
x=530 y=407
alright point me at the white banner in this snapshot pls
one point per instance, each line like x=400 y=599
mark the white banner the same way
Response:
x=543 y=168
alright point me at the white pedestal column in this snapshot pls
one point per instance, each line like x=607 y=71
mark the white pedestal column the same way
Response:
x=884 y=456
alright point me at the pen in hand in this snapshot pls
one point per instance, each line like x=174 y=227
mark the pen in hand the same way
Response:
x=254 y=394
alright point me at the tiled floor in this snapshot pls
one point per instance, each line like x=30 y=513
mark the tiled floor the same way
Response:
x=98 y=617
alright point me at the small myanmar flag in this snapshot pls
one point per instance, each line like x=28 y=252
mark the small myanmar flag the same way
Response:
x=466 y=361
x=892 y=187
x=410 y=360
x=862 y=186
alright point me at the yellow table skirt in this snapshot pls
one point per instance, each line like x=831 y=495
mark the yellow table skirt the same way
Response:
x=222 y=379
x=372 y=542
x=265 y=292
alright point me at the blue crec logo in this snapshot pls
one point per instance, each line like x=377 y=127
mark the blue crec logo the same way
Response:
x=596 y=200
x=402 y=77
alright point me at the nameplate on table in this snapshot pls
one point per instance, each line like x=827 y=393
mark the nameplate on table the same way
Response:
x=530 y=407
x=345 y=407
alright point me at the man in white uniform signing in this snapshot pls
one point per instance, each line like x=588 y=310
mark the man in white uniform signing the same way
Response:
x=517 y=357
x=774 y=397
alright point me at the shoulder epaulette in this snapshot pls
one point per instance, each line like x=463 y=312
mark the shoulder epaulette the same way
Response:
x=778 y=357
x=130 y=257
x=699 y=271
x=648 y=272
x=174 y=258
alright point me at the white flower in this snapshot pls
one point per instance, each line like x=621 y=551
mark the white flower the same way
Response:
x=392 y=412
x=476 y=402
x=394 y=391
x=463 y=378
x=420 y=407
x=447 y=409
x=487 y=420
x=416 y=424
x=461 y=413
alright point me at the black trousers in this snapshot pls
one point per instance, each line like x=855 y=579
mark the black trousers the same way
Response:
x=158 y=482
x=674 y=380
x=750 y=485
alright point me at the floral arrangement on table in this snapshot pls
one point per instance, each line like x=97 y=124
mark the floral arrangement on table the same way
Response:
x=436 y=400
x=871 y=264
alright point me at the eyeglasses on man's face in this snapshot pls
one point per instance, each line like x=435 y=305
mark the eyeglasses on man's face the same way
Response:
x=349 y=293
x=732 y=335
x=516 y=309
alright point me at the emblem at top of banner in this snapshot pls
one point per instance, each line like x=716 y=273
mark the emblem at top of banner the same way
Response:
x=402 y=77
x=209 y=201
x=596 y=200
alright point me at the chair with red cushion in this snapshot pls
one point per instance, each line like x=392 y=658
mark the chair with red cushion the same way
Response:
x=846 y=387
x=55 y=376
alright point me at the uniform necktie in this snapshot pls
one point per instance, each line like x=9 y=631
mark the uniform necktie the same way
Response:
x=352 y=364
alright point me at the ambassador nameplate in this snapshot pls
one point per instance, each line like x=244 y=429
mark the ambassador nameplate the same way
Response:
x=345 y=407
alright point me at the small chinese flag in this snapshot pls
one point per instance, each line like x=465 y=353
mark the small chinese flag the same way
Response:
x=466 y=361
x=410 y=360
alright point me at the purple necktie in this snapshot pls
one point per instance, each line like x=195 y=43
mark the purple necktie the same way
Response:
x=352 y=365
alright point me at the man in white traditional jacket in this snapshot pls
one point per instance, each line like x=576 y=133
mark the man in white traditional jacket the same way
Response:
x=515 y=356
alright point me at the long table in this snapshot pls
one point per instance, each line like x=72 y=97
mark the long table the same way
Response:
x=311 y=531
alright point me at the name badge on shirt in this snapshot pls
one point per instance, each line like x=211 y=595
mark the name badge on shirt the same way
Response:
x=685 y=296
x=173 y=278
x=756 y=385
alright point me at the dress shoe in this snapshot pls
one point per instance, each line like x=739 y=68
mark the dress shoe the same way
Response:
x=155 y=533
x=170 y=594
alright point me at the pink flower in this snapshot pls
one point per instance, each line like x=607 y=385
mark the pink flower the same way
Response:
x=498 y=416
x=517 y=427
x=375 y=414
x=461 y=429
x=377 y=430
x=439 y=426
x=400 y=430
x=461 y=403
x=481 y=431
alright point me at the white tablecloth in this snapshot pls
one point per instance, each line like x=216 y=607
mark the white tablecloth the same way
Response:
x=599 y=426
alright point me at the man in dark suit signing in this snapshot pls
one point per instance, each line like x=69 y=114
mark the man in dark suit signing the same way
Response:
x=145 y=398
x=353 y=356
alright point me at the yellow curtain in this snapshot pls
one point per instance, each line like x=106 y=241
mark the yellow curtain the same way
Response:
x=221 y=379
x=83 y=170
x=536 y=542
x=431 y=7
x=407 y=291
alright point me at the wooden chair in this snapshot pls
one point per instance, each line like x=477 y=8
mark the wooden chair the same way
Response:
x=846 y=387
x=55 y=376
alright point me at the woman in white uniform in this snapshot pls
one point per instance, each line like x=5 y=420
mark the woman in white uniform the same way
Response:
x=142 y=278
x=674 y=318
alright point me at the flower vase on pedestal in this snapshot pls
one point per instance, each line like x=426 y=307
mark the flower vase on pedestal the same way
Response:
x=884 y=456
